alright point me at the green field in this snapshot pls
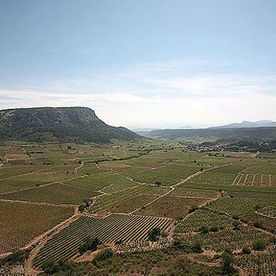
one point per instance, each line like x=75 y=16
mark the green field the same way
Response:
x=20 y=223
x=230 y=195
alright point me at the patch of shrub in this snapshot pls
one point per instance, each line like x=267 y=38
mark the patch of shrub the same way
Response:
x=154 y=234
x=103 y=255
x=89 y=245
x=16 y=257
x=227 y=262
x=259 y=245
x=193 y=209
x=203 y=230
x=258 y=224
x=196 y=248
x=246 y=250
x=214 y=229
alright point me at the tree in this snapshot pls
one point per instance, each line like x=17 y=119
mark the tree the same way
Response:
x=197 y=248
x=154 y=234
x=89 y=245
x=246 y=250
x=227 y=262
x=236 y=225
x=81 y=208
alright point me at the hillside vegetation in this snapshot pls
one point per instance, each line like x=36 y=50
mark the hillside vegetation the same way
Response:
x=252 y=134
x=63 y=124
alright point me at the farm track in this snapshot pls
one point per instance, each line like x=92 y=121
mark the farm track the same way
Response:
x=42 y=240
x=172 y=188
x=243 y=180
x=139 y=226
x=198 y=173
x=253 y=180
x=23 y=174
x=38 y=203
x=78 y=168
x=149 y=203
x=243 y=223
x=44 y=185
x=264 y=215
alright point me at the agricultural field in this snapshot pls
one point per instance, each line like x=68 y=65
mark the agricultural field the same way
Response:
x=228 y=238
x=55 y=193
x=266 y=263
x=202 y=218
x=21 y=222
x=116 y=227
x=169 y=206
x=121 y=191
x=166 y=175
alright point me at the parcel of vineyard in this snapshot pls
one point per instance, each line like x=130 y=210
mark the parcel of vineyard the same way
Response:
x=135 y=199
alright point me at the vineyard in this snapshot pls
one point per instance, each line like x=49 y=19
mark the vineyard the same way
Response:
x=20 y=222
x=124 y=201
x=118 y=192
x=260 y=180
x=269 y=211
x=116 y=227
x=262 y=264
x=202 y=218
x=227 y=238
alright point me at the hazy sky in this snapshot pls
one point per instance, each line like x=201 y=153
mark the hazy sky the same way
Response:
x=142 y=63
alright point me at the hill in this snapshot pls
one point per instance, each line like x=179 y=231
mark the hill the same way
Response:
x=248 y=124
x=63 y=124
x=253 y=134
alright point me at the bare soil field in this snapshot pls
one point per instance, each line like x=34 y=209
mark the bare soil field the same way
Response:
x=16 y=156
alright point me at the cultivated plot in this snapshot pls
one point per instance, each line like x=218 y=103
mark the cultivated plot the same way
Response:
x=116 y=227
x=21 y=222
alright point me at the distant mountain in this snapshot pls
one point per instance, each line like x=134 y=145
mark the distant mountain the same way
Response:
x=143 y=131
x=248 y=124
x=64 y=124
x=256 y=133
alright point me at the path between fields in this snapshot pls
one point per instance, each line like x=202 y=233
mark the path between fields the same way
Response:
x=44 y=185
x=98 y=165
x=38 y=203
x=179 y=183
x=230 y=216
x=24 y=174
x=79 y=167
x=265 y=215
x=42 y=240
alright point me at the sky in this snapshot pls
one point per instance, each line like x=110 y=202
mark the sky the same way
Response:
x=142 y=63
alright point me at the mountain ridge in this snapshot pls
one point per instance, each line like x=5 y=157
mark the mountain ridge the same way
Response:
x=248 y=124
x=64 y=124
x=255 y=133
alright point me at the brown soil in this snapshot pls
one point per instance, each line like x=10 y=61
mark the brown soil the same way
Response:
x=16 y=156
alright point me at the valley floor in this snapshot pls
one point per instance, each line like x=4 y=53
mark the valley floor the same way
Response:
x=55 y=196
